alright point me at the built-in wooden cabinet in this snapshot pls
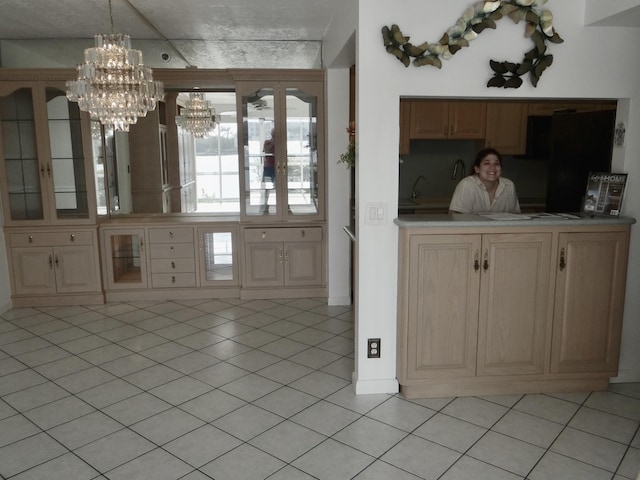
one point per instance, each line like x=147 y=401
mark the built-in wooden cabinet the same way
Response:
x=551 y=107
x=501 y=124
x=507 y=127
x=163 y=260
x=479 y=304
x=589 y=300
x=283 y=257
x=514 y=315
x=172 y=257
x=447 y=119
x=52 y=266
x=509 y=310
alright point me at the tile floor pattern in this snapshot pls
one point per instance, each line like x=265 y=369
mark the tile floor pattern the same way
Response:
x=235 y=390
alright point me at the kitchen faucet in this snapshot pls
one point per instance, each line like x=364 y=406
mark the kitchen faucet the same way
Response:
x=459 y=164
x=415 y=193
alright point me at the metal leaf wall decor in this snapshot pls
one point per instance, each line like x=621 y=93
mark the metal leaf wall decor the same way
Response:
x=474 y=20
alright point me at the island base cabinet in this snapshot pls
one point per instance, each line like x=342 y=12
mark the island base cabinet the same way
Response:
x=441 y=307
x=589 y=302
x=504 y=310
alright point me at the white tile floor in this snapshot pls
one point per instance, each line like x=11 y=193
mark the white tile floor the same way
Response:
x=232 y=390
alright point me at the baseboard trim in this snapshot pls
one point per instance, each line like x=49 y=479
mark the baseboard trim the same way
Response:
x=384 y=385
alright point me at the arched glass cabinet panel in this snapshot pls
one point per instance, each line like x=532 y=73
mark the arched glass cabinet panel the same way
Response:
x=44 y=142
x=283 y=173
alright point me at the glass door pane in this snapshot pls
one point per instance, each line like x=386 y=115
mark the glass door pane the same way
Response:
x=21 y=165
x=218 y=256
x=260 y=161
x=302 y=152
x=67 y=156
x=126 y=262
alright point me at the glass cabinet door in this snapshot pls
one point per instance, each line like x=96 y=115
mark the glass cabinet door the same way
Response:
x=260 y=160
x=43 y=146
x=126 y=260
x=302 y=152
x=66 y=171
x=22 y=167
x=218 y=256
x=283 y=151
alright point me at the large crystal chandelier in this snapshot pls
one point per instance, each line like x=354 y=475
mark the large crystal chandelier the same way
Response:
x=113 y=84
x=197 y=116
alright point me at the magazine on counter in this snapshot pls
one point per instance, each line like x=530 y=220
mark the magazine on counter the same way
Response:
x=605 y=191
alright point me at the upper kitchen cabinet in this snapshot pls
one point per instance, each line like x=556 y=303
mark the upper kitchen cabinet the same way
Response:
x=551 y=107
x=283 y=148
x=507 y=127
x=462 y=120
x=44 y=141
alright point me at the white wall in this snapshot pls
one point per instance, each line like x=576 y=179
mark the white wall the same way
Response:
x=593 y=62
x=338 y=56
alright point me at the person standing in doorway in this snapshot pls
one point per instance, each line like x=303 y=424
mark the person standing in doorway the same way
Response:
x=268 y=169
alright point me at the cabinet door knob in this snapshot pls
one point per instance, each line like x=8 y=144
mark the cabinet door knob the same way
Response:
x=263 y=235
x=563 y=262
x=173 y=265
x=30 y=238
x=170 y=234
x=476 y=262
x=485 y=264
x=173 y=279
x=72 y=237
x=303 y=233
x=50 y=262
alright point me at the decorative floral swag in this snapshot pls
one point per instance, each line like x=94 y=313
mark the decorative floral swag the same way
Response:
x=474 y=20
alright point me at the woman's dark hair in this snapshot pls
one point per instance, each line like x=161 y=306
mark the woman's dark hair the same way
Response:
x=482 y=154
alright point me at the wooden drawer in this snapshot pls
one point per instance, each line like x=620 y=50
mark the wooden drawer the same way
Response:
x=302 y=234
x=177 y=265
x=51 y=239
x=180 y=250
x=163 y=280
x=171 y=235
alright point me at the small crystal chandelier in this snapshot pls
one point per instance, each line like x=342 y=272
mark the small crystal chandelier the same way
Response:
x=198 y=116
x=113 y=84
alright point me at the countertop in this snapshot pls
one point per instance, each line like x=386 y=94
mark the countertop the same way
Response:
x=502 y=220
x=442 y=203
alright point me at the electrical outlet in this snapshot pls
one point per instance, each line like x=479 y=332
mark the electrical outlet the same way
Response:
x=373 y=348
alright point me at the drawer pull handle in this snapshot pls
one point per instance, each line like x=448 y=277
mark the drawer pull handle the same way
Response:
x=30 y=238
x=173 y=279
x=72 y=237
x=172 y=249
x=264 y=235
x=303 y=233
x=170 y=234
x=563 y=262
x=173 y=265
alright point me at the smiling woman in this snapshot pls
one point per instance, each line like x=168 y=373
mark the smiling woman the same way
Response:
x=485 y=190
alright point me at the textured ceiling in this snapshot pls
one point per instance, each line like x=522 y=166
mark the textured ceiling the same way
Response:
x=202 y=33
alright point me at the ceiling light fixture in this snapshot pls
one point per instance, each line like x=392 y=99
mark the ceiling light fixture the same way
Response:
x=197 y=116
x=113 y=84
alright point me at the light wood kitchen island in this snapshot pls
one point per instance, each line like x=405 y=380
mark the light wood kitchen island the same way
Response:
x=523 y=305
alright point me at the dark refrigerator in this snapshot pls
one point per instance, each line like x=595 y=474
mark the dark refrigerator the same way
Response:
x=580 y=143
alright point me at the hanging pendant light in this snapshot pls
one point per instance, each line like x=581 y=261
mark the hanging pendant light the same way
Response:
x=197 y=116
x=113 y=84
